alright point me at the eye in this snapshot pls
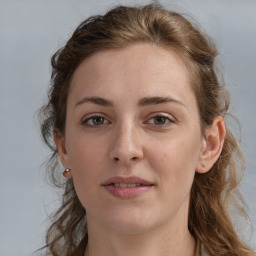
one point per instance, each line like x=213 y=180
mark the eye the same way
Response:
x=95 y=120
x=160 y=120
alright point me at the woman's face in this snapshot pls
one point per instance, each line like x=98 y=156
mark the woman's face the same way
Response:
x=131 y=115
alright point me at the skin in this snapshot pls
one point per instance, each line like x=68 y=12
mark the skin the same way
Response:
x=130 y=140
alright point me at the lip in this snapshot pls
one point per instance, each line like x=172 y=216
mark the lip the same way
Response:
x=127 y=192
x=127 y=180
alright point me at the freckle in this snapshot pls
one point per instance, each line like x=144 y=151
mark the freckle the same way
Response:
x=162 y=159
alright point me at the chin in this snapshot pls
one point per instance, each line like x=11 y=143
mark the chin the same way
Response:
x=131 y=222
x=130 y=227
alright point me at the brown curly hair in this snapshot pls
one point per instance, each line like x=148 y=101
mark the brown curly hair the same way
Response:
x=211 y=193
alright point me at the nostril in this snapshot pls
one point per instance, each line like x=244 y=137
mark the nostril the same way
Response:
x=116 y=159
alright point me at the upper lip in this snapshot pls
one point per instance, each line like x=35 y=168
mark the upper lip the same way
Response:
x=127 y=180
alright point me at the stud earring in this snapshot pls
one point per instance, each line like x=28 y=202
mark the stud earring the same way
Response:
x=67 y=173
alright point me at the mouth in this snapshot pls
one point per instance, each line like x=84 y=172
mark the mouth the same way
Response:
x=127 y=187
x=124 y=182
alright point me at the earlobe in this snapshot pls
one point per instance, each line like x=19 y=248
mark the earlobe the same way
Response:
x=212 y=145
x=67 y=173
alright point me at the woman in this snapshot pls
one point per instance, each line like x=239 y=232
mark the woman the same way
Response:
x=137 y=113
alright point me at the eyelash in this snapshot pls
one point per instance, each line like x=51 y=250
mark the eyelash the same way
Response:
x=166 y=118
x=85 y=121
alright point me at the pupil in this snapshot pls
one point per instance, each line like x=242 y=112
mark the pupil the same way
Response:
x=98 y=120
x=160 y=120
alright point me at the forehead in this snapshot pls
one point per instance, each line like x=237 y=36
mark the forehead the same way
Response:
x=141 y=68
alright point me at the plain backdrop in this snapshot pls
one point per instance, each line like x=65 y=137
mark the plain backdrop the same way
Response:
x=30 y=32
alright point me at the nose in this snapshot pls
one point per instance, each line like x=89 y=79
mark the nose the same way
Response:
x=126 y=148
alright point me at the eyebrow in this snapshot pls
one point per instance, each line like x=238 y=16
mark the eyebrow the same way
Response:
x=146 y=101
x=95 y=100
x=157 y=100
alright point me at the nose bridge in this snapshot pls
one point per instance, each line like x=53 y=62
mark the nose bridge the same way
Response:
x=126 y=147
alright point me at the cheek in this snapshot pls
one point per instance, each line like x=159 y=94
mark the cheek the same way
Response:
x=85 y=153
x=86 y=163
x=175 y=165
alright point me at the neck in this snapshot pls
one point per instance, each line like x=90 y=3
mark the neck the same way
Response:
x=161 y=241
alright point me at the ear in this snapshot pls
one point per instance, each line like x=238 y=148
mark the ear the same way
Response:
x=212 y=145
x=61 y=147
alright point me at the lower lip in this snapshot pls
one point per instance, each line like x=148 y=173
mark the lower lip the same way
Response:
x=127 y=193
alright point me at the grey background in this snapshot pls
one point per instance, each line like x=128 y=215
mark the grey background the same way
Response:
x=30 y=32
